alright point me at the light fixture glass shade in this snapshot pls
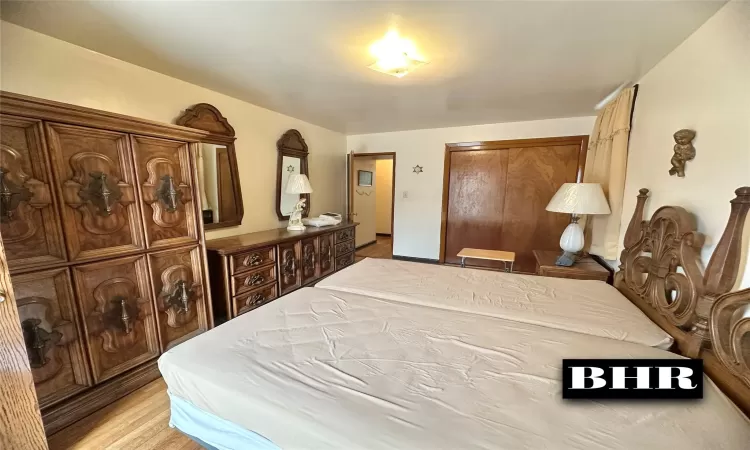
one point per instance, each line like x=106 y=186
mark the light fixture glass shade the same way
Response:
x=579 y=198
x=298 y=184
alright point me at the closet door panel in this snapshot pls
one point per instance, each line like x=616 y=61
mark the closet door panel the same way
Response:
x=97 y=187
x=115 y=299
x=54 y=343
x=163 y=172
x=181 y=308
x=289 y=266
x=476 y=198
x=534 y=175
x=29 y=224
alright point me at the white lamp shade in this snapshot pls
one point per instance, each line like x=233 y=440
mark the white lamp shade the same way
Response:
x=298 y=184
x=579 y=198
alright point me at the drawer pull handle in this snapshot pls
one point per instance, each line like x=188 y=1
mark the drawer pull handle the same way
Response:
x=252 y=260
x=255 y=280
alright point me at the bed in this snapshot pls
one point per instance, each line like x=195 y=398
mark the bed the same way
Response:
x=326 y=368
x=589 y=307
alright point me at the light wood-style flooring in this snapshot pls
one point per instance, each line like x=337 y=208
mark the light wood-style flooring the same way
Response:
x=383 y=249
x=139 y=421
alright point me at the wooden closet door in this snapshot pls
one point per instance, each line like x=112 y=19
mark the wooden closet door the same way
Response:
x=116 y=304
x=476 y=197
x=29 y=223
x=163 y=173
x=54 y=343
x=178 y=290
x=534 y=175
x=96 y=180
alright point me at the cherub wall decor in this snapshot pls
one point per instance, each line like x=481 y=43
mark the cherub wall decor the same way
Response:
x=683 y=151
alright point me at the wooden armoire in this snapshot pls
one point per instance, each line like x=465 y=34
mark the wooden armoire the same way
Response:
x=101 y=225
x=495 y=194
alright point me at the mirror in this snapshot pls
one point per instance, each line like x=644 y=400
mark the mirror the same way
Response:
x=292 y=159
x=216 y=163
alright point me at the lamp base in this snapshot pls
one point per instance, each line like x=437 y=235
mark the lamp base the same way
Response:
x=567 y=259
x=296 y=227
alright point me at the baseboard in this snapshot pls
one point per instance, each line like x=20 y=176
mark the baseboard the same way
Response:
x=413 y=259
x=366 y=244
x=383 y=234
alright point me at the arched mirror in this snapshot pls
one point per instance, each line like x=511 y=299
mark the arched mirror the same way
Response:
x=292 y=159
x=217 y=167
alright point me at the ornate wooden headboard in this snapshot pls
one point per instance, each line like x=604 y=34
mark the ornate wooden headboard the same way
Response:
x=660 y=272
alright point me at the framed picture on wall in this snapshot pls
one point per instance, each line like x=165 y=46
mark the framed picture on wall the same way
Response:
x=364 y=178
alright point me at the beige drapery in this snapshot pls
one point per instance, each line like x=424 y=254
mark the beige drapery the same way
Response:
x=606 y=162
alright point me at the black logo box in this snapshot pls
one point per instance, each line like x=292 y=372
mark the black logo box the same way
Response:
x=630 y=392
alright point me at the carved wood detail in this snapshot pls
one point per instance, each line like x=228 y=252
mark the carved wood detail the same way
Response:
x=290 y=277
x=29 y=224
x=660 y=266
x=48 y=319
x=730 y=332
x=117 y=312
x=204 y=116
x=326 y=254
x=97 y=186
x=309 y=250
x=179 y=295
x=163 y=171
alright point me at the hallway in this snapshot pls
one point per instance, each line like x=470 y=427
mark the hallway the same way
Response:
x=383 y=249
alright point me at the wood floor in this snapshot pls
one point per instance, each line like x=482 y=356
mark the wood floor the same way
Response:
x=383 y=249
x=139 y=421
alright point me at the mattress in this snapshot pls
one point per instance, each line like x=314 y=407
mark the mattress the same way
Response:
x=319 y=369
x=589 y=307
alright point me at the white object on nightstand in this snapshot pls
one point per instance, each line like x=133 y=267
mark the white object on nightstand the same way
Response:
x=576 y=199
x=298 y=184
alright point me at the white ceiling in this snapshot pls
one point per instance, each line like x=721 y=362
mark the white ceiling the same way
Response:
x=490 y=61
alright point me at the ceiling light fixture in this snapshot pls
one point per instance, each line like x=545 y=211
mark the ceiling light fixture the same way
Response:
x=395 y=55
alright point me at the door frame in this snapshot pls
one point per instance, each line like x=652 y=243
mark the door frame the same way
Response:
x=350 y=187
x=582 y=140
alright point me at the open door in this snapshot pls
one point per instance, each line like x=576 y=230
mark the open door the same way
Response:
x=20 y=419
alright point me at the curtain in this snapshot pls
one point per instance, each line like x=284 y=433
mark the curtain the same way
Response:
x=606 y=162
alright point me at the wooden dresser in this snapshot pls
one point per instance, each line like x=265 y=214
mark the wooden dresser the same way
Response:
x=104 y=242
x=250 y=270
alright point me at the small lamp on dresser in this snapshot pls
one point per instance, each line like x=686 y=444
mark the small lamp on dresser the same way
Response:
x=576 y=199
x=298 y=184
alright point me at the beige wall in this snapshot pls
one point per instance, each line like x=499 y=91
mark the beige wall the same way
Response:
x=41 y=66
x=418 y=201
x=383 y=195
x=364 y=203
x=704 y=85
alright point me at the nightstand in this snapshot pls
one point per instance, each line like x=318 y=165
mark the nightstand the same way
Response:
x=585 y=268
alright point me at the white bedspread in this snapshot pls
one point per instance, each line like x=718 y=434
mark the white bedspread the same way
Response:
x=318 y=369
x=590 y=307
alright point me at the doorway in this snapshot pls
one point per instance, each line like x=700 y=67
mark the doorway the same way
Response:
x=371 y=189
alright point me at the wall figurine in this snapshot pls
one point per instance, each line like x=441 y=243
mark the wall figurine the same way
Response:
x=417 y=169
x=683 y=151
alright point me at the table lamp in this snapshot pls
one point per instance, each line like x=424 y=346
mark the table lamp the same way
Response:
x=576 y=199
x=298 y=184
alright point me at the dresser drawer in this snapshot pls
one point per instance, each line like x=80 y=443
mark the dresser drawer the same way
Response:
x=344 y=235
x=344 y=247
x=344 y=260
x=253 y=299
x=249 y=280
x=252 y=259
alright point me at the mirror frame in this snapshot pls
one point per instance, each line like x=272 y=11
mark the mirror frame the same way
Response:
x=293 y=145
x=206 y=117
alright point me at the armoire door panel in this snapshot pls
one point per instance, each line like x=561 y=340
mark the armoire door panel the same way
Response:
x=29 y=223
x=116 y=303
x=309 y=260
x=164 y=176
x=477 y=187
x=325 y=254
x=97 y=188
x=178 y=290
x=534 y=175
x=54 y=343
x=289 y=266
